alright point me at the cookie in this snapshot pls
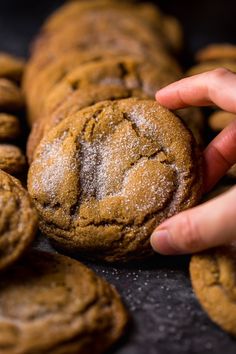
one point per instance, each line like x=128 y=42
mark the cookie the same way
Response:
x=220 y=119
x=53 y=304
x=174 y=33
x=105 y=177
x=124 y=71
x=12 y=159
x=56 y=70
x=73 y=103
x=213 y=275
x=232 y=172
x=10 y=96
x=212 y=65
x=18 y=220
x=9 y=127
x=220 y=51
x=71 y=12
x=11 y=67
x=193 y=118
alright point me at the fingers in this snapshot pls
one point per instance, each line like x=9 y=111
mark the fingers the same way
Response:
x=219 y=156
x=208 y=225
x=213 y=87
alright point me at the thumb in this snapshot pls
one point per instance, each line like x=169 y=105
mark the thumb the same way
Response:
x=207 y=225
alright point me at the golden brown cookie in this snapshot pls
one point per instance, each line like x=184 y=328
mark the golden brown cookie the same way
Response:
x=73 y=103
x=56 y=70
x=12 y=159
x=124 y=71
x=69 y=12
x=9 y=127
x=53 y=304
x=212 y=65
x=232 y=172
x=18 y=221
x=173 y=31
x=105 y=177
x=11 y=67
x=220 y=119
x=10 y=96
x=193 y=118
x=213 y=275
x=220 y=51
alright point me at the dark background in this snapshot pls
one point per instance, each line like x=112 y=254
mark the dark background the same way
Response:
x=165 y=315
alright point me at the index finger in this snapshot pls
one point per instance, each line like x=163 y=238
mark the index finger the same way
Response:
x=216 y=87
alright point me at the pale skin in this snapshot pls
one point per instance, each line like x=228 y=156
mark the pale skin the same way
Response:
x=214 y=222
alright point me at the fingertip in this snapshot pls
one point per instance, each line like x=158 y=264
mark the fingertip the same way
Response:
x=160 y=242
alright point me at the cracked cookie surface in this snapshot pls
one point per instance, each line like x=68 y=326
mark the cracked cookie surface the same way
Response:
x=105 y=177
x=213 y=276
x=18 y=220
x=53 y=304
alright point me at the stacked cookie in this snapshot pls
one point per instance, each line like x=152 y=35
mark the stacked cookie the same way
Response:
x=43 y=306
x=108 y=163
x=209 y=58
x=12 y=159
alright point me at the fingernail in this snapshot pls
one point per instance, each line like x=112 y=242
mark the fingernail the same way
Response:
x=160 y=242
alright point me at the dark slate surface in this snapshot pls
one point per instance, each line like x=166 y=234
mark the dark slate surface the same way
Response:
x=165 y=315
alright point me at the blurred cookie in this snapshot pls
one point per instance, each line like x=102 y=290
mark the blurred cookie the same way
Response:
x=220 y=119
x=54 y=72
x=124 y=71
x=12 y=159
x=73 y=103
x=9 y=127
x=11 y=67
x=105 y=177
x=211 y=65
x=194 y=120
x=173 y=31
x=219 y=51
x=18 y=221
x=232 y=172
x=10 y=96
x=213 y=276
x=53 y=304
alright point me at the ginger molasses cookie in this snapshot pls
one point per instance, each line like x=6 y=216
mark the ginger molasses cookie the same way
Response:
x=55 y=71
x=124 y=71
x=53 y=304
x=10 y=96
x=12 y=159
x=9 y=127
x=218 y=52
x=213 y=275
x=18 y=222
x=105 y=177
x=220 y=119
x=11 y=67
x=78 y=100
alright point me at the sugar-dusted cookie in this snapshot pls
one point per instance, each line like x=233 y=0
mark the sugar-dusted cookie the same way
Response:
x=105 y=177
x=213 y=275
x=18 y=222
x=53 y=304
x=79 y=99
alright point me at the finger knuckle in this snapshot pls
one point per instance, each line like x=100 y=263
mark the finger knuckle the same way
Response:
x=191 y=239
x=220 y=72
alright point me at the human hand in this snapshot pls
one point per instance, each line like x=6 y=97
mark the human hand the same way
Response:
x=213 y=223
